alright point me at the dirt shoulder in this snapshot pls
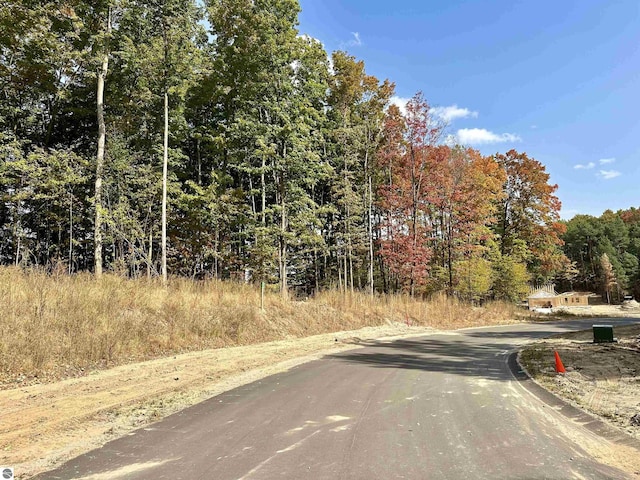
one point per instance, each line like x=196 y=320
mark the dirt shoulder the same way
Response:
x=626 y=310
x=44 y=425
x=603 y=379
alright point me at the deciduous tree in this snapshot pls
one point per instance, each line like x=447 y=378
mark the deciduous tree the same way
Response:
x=529 y=211
x=408 y=158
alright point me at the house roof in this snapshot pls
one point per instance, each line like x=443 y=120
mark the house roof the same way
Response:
x=547 y=294
x=542 y=294
x=576 y=294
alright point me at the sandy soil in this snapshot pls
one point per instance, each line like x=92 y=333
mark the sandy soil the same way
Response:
x=603 y=379
x=43 y=425
x=627 y=310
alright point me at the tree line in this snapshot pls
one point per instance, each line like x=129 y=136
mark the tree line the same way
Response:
x=605 y=253
x=215 y=140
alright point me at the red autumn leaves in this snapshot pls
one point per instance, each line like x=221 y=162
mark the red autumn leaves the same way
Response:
x=441 y=204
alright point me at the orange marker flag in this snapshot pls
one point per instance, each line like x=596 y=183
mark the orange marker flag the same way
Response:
x=559 y=365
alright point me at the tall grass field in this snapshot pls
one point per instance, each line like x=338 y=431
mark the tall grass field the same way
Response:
x=55 y=325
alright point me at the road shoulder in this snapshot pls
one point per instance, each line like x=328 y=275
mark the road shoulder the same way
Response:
x=612 y=445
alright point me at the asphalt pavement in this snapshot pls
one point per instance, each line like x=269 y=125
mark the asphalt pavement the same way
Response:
x=441 y=406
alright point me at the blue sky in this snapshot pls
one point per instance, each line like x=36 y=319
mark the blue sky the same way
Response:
x=559 y=80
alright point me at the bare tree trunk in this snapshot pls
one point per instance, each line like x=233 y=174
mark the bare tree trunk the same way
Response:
x=102 y=136
x=282 y=251
x=450 y=255
x=253 y=197
x=165 y=167
x=349 y=251
x=199 y=162
x=215 y=258
x=150 y=253
x=346 y=271
x=317 y=271
x=18 y=252
x=70 y=234
x=371 y=284
x=264 y=192
x=351 y=285
x=260 y=237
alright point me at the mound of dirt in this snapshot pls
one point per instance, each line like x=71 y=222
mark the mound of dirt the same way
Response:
x=630 y=305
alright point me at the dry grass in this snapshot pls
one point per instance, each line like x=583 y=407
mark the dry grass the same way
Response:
x=55 y=326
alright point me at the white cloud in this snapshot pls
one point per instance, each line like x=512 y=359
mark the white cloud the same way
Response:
x=606 y=161
x=400 y=102
x=446 y=114
x=453 y=112
x=588 y=166
x=356 y=41
x=480 y=136
x=609 y=174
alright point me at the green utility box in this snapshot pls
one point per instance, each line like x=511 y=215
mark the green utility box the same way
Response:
x=603 y=334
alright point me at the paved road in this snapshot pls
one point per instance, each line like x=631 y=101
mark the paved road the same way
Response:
x=439 y=406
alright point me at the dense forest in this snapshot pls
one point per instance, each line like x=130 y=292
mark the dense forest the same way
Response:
x=605 y=251
x=207 y=140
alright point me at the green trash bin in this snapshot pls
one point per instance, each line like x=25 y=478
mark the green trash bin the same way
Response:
x=603 y=334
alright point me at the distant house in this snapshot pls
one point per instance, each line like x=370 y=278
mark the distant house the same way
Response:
x=543 y=297
x=546 y=297
x=573 y=299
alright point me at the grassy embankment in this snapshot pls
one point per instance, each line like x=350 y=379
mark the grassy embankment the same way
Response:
x=55 y=326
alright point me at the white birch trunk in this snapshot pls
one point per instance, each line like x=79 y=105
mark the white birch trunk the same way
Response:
x=165 y=166
x=102 y=136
